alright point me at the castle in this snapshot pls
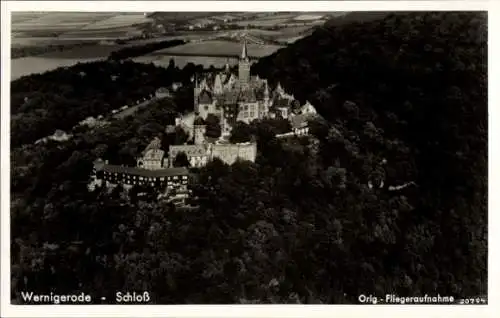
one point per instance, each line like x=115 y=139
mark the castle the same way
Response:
x=232 y=98
x=229 y=97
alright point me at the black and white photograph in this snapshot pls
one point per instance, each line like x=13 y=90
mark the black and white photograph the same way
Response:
x=248 y=157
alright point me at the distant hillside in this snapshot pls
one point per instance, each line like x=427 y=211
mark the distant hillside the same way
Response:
x=180 y=16
x=359 y=16
x=408 y=90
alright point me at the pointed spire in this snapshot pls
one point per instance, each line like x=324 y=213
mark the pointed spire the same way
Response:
x=244 y=50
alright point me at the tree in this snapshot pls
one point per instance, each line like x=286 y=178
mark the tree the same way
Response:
x=241 y=132
x=181 y=160
x=213 y=128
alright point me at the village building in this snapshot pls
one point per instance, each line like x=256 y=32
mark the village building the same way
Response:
x=60 y=135
x=162 y=92
x=308 y=109
x=300 y=125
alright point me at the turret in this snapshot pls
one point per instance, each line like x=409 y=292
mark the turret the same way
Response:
x=266 y=91
x=244 y=66
x=218 y=84
x=199 y=134
x=244 y=54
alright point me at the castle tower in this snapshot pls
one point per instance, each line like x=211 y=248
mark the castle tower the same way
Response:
x=218 y=84
x=266 y=92
x=265 y=106
x=199 y=134
x=196 y=93
x=244 y=66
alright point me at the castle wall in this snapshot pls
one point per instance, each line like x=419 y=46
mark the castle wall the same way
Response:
x=244 y=72
x=229 y=153
x=196 y=154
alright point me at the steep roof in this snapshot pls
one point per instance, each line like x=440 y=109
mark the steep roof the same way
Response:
x=154 y=144
x=244 y=54
x=228 y=97
x=205 y=97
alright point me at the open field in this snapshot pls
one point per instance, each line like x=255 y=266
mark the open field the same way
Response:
x=308 y=17
x=263 y=23
x=56 y=20
x=28 y=28
x=219 y=47
x=46 y=41
x=111 y=33
x=122 y=20
x=281 y=15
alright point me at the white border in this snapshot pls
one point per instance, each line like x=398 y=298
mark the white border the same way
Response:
x=301 y=311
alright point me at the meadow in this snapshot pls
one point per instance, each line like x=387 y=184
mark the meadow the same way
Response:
x=263 y=22
x=31 y=29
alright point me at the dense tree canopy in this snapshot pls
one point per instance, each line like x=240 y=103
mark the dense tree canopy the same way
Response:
x=213 y=129
x=61 y=98
x=410 y=89
x=388 y=195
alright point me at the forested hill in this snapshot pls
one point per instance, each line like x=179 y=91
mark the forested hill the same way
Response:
x=387 y=197
x=411 y=89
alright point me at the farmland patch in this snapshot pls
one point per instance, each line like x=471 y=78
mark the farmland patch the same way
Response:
x=220 y=47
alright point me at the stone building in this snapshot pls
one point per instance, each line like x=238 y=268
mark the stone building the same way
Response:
x=232 y=98
x=202 y=151
x=152 y=158
x=300 y=125
x=198 y=155
x=166 y=180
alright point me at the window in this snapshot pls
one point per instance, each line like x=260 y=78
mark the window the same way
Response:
x=252 y=114
x=206 y=107
x=175 y=177
x=184 y=177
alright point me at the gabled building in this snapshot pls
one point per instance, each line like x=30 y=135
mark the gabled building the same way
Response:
x=152 y=156
x=300 y=125
x=308 y=109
